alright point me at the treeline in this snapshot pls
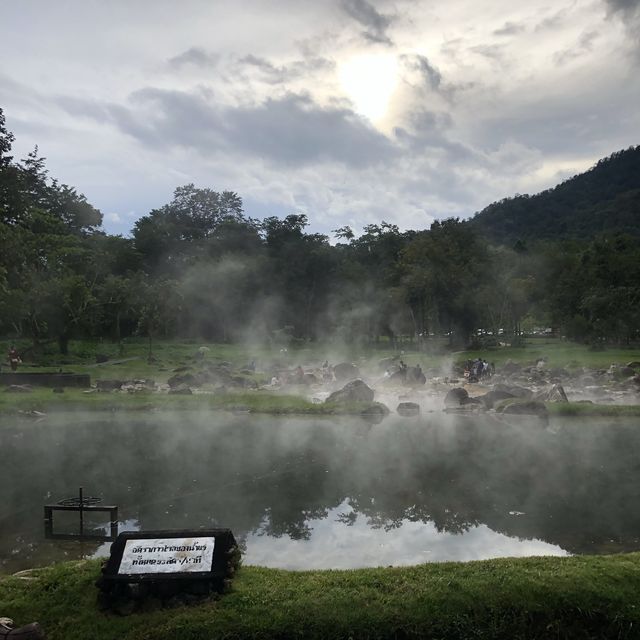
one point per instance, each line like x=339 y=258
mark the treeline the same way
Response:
x=605 y=199
x=199 y=267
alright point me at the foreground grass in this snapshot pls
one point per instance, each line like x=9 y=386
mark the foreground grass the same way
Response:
x=578 y=597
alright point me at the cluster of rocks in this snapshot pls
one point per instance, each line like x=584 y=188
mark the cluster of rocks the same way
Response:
x=617 y=383
x=358 y=392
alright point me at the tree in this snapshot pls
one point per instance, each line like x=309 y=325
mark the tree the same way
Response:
x=173 y=235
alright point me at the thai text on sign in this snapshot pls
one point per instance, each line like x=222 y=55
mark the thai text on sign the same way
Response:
x=167 y=555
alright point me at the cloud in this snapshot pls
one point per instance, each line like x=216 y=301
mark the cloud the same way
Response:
x=273 y=74
x=375 y=23
x=292 y=130
x=420 y=63
x=553 y=21
x=629 y=11
x=196 y=56
x=510 y=29
x=582 y=47
x=113 y=217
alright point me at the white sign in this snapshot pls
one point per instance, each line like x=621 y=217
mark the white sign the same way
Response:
x=167 y=555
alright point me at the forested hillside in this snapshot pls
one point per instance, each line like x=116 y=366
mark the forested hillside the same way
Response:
x=199 y=267
x=605 y=199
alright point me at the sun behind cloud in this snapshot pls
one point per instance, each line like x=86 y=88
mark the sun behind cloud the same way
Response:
x=369 y=82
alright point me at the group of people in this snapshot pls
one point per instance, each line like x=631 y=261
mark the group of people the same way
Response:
x=478 y=369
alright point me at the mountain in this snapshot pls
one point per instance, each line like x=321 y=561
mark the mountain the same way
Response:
x=605 y=199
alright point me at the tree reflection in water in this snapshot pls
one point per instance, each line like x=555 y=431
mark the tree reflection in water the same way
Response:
x=576 y=485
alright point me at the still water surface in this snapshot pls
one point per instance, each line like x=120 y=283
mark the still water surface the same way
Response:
x=328 y=493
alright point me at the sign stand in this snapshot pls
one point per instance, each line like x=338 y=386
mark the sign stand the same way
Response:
x=170 y=567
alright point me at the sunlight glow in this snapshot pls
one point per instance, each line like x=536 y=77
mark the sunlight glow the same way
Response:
x=369 y=82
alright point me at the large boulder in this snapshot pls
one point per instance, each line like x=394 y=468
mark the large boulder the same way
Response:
x=524 y=408
x=187 y=379
x=458 y=397
x=375 y=412
x=345 y=371
x=408 y=409
x=489 y=399
x=109 y=385
x=514 y=390
x=354 y=391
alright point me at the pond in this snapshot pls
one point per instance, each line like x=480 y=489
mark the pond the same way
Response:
x=304 y=493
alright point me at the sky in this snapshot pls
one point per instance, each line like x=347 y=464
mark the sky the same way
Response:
x=349 y=111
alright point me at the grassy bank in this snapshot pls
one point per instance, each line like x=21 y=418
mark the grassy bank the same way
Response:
x=578 y=597
x=585 y=409
x=44 y=400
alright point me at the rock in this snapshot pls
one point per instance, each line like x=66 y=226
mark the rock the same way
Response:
x=186 y=379
x=415 y=376
x=375 y=412
x=108 y=385
x=459 y=397
x=626 y=372
x=345 y=371
x=524 y=408
x=58 y=390
x=408 y=409
x=514 y=390
x=19 y=388
x=181 y=390
x=101 y=357
x=634 y=364
x=31 y=631
x=354 y=391
x=309 y=378
x=489 y=399
x=555 y=393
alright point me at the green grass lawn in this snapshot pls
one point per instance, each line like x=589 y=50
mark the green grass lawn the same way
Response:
x=131 y=362
x=573 y=598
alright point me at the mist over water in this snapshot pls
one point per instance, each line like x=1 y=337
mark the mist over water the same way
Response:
x=328 y=493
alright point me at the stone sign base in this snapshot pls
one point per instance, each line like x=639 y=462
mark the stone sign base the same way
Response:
x=154 y=569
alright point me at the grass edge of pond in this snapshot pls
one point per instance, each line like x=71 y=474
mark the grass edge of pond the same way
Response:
x=264 y=402
x=573 y=597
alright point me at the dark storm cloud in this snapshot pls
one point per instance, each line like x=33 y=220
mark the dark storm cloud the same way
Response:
x=375 y=23
x=623 y=5
x=292 y=130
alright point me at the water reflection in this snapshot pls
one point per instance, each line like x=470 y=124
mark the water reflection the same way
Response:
x=346 y=540
x=317 y=492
